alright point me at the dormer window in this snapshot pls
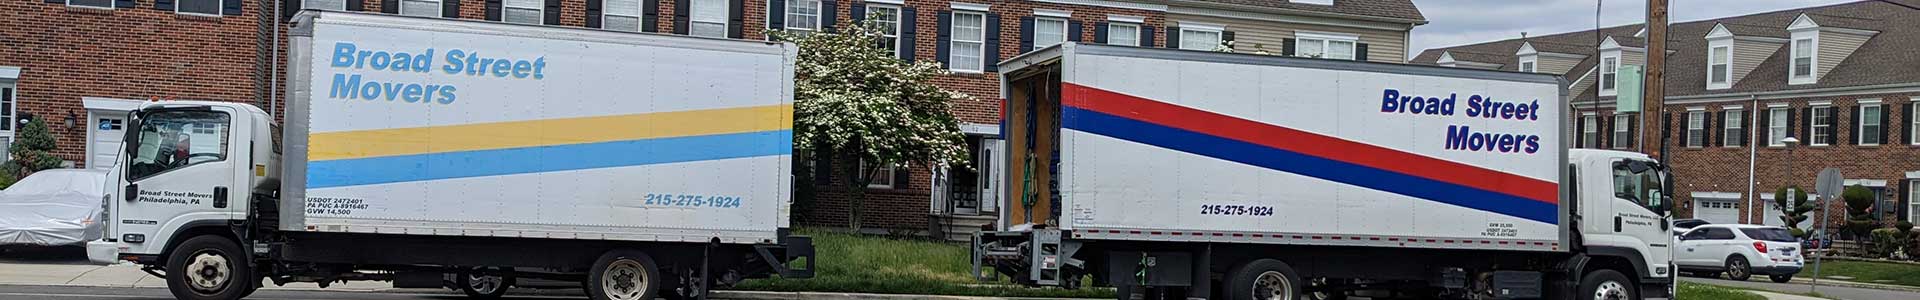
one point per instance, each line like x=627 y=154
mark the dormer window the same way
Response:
x=1720 y=67
x=1528 y=65
x=1609 y=68
x=1803 y=59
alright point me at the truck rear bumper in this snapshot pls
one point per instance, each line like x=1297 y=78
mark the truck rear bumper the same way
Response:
x=792 y=258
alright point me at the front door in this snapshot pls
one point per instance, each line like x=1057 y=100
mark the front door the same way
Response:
x=178 y=164
x=993 y=163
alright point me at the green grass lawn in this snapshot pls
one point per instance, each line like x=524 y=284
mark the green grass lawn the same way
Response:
x=1689 y=290
x=869 y=264
x=1869 y=272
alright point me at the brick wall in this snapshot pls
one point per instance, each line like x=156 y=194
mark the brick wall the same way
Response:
x=65 y=53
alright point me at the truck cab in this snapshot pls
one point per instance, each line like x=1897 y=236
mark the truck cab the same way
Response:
x=1623 y=200
x=187 y=168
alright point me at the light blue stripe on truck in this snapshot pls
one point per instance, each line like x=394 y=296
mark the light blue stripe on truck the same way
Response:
x=463 y=164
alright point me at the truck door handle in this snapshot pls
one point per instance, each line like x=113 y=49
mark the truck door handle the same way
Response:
x=219 y=197
x=133 y=192
x=1616 y=223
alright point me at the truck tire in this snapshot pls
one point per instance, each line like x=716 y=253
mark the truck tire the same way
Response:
x=1606 y=285
x=1264 y=279
x=1738 y=269
x=624 y=275
x=209 y=267
x=483 y=286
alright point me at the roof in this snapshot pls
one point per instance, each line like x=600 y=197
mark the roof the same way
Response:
x=1390 y=9
x=1884 y=59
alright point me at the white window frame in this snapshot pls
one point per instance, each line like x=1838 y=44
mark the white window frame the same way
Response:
x=954 y=52
x=1913 y=201
x=693 y=17
x=1860 y=132
x=792 y=15
x=1037 y=43
x=1913 y=129
x=108 y=6
x=895 y=36
x=1187 y=31
x=1530 y=64
x=1136 y=32
x=1736 y=119
x=1326 y=41
x=886 y=173
x=638 y=14
x=1812 y=56
x=1696 y=128
x=508 y=5
x=216 y=12
x=307 y=4
x=1609 y=73
x=1817 y=114
x=1621 y=122
x=1590 y=131
x=1777 y=121
x=1720 y=62
x=11 y=115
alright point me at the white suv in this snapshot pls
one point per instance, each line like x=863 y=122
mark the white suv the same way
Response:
x=1740 y=251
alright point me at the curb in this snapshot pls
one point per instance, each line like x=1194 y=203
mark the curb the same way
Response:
x=1861 y=285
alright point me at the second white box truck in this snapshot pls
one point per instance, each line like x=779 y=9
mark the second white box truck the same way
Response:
x=1198 y=175
x=642 y=165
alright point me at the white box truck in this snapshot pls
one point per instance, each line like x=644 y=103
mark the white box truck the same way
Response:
x=640 y=164
x=1188 y=174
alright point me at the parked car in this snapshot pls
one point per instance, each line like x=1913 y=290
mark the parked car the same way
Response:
x=58 y=207
x=1682 y=225
x=1740 y=251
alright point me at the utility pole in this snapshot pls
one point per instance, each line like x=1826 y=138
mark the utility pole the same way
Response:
x=1653 y=102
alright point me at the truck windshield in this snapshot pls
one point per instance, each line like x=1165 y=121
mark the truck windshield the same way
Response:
x=1640 y=187
x=170 y=140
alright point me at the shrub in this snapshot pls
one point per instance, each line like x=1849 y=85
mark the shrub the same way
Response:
x=1886 y=242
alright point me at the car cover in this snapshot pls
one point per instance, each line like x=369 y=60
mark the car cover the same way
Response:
x=53 y=208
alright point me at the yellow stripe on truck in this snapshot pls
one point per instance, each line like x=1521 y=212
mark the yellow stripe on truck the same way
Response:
x=548 y=132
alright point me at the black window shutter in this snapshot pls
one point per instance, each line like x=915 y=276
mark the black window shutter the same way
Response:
x=393 y=6
x=1683 y=130
x=1806 y=124
x=1073 y=31
x=1146 y=35
x=1100 y=32
x=1604 y=134
x=1633 y=132
x=1286 y=46
x=908 y=27
x=228 y=7
x=287 y=8
x=776 y=14
x=493 y=8
x=991 y=63
x=737 y=18
x=650 y=16
x=1719 y=129
x=1026 y=34
x=829 y=14
x=164 y=5
x=681 y=18
x=1360 y=52
x=1885 y=119
x=360 y=5
x=1746 y=130
x=1907 y=138
x=943 y=37
x=1173 y=37
x=902 y=177
x=1766 y=119
x=552 y=12
x=858 y=13
x=1580 y=141
x=451 y=9
x=1906 y=199
x=593 y=12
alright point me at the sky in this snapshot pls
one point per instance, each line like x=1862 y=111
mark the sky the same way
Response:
x=1460 y=22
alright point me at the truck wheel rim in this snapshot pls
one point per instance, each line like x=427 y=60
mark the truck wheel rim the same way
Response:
x=1272 y=286
x=484 y=284
x=624 y=280
x=1611 y=290
x=208 y=272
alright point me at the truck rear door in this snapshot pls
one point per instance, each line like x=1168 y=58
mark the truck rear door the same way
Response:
x=176 y=170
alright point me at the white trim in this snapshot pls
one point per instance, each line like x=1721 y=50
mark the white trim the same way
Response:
x=1730 y=112
x=109 y=104
x=1530 y=61
x=1803 y=22
x=1319 y=35
x=10 y=73
x=1719 y=32
x=1777 y=104
x=981 y=129
x=1733 y=107
x=1869 y=101
x=1913 y=174
x=819 y=15
x=504 y=6
x=1136 y=33
x=1066 y=25
x=1820 y=103
x=1102 y=3
x=1127 y=19
x=1042 y=12
x=1727 y=81
x=1860 y=112
x=1891 y=88
x=1186 y=25
x=1813 y=58
x=1583 y=114
x=1715 y=196
x=968 y=6
x=982 y=39
x=1849 y=31
x=1526 y=49
x=1762 y=39
x=894 y=2
x=1600 y=82
x=110 y=5
x=220 y=5
x=1880 y=183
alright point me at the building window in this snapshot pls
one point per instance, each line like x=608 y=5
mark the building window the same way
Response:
x=709 y=18
x=1526 y=66
x=1696 y=128
x=1589 y=131
x=1048 y=32
x=1822 y=125
x=1608 y=68
x=1869 y=132
x=1124 y=34
x=525 y=11
x=197 y=7
x=623 y=15
x=1803 y=59
x=1324 y=46
x=969 y=40
x=803 y=16
x=1776 y=126
x=1734 y=121
x=882 y=177
x=1622 y=137
x=423 y=8
x=326 y=4
x=887 y=17
x=1199 y=39
x=1913 y=205
x=6 y=110
x=1913 y=130
x=107 y=4
x=1719 y=66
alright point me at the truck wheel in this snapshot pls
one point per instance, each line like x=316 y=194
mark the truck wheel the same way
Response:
x=1606 y=285
x=1738 y=269
x=209 y=267
x=1780 y=278
x=1264 y=279
x=624 y=275
x=483 y=286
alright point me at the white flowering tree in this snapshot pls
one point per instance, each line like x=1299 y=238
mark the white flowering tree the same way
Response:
x=854 y=99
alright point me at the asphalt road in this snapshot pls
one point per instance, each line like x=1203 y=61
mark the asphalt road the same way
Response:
x=18 y=292
x=1835 y=292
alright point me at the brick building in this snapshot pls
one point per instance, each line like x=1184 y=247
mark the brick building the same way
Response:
x=1838 y=78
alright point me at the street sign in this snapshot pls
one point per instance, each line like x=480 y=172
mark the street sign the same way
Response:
x=1629 y=83
x=1828 y=183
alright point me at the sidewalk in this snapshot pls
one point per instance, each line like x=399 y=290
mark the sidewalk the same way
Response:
x=1852 y=284
x=1779 y=296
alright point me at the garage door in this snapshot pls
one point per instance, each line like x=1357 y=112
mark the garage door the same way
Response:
x=108 y=130
x=1717 y=211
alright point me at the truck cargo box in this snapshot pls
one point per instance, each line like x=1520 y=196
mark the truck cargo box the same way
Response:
x=1128 y=143
x=424 y=126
